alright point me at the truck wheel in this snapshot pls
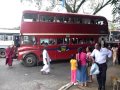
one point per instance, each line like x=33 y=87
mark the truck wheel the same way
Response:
x=30 y=60
x=2 y=53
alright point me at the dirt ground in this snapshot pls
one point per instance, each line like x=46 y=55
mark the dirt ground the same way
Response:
x=111 y=71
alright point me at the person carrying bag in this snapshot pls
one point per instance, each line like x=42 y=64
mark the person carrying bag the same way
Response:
x=99 y=56
x=82 y=67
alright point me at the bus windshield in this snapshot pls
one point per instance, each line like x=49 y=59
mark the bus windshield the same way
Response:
x=28 y=40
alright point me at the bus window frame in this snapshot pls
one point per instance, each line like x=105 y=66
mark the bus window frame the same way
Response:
x=32 y=19
x=23 y=42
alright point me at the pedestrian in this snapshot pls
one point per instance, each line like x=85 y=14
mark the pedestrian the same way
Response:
x=114 y=50
x=46 y=61
x=73 y=63
x=99 y=56
x=102 y=42
x=13 y=48
x=82 y=70
x=89 y=62
x=9 y=53
x=118 y=54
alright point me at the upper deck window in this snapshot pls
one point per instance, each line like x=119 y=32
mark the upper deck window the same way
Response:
x=32 y=17
x=67 y=19
x=46 y=18
x=28 y=17
x=58 y=19
x=86 y=21
x=100 y=22
x=77 y=20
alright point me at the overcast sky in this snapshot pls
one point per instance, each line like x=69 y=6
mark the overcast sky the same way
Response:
x=11 y=11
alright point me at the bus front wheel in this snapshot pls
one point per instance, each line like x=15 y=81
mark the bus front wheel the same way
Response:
x=30 y=60
x=2 y=53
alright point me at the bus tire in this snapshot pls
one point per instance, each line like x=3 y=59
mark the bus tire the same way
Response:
x=30 y=60
x=2 y=53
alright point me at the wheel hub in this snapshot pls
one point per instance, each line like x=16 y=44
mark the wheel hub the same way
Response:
x=29 y=60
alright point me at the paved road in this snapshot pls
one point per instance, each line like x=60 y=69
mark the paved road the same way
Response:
x=30 y=78
x=112 y=71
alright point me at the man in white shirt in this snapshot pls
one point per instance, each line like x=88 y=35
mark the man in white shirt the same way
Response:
x=99 y=56
x=46 y=62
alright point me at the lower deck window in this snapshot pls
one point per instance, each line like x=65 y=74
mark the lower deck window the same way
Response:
x=67 y=41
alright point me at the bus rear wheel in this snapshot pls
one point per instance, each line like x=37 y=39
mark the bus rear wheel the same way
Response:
x=30 y=60
x=2 y=53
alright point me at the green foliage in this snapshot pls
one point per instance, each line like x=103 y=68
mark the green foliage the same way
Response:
x=74 y=6
x=116 y=11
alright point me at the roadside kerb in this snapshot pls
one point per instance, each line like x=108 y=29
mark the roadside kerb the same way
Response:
x=66 y=86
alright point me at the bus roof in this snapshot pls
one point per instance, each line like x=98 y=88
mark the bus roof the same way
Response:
x=63 y=14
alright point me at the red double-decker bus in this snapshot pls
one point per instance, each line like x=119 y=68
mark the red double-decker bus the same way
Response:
x=62 y=32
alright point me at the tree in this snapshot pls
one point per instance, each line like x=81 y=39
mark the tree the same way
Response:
x=116 y=12
x=74 y=6
x=40 y=3
x=95 y=5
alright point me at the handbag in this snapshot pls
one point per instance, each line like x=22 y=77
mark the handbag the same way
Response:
x=94 y=69
x=78 y=62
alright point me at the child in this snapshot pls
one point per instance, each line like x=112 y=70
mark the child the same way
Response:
x=89 y=61
x=73 y=63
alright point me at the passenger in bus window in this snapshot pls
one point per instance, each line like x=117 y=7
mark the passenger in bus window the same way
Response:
x=102 y=42
x=66 y=19
x=81 y=41
x=91 y=41
x=51 y=42
x=92 y=22
x=60 y=41
x=56 y=19
x=77 y=20
x=96 y=21
x=40 y=18
x=42 y=43
x=73 y=41
x=51 y=19
x=70 y=20
x=61 y=19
